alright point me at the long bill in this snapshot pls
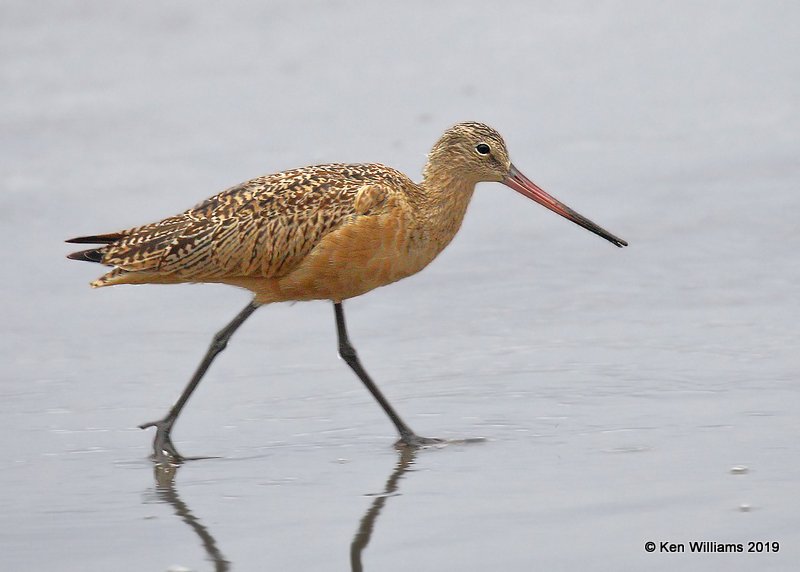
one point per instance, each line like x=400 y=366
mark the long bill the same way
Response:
x=525 y=186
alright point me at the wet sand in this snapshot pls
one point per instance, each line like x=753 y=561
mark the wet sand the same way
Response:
x=626 y=396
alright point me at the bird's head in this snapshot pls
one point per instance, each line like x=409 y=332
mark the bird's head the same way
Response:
x=473 y=150
x=477 y=153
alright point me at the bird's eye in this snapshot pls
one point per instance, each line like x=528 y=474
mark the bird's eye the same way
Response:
x=482 y=148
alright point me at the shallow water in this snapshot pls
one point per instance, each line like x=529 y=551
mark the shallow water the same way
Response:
x=626 y=396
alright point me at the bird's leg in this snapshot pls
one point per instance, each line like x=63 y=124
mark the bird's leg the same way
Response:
x=163 y=448
x=348 y=353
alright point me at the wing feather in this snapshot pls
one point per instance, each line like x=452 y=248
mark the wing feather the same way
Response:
x=261 y=228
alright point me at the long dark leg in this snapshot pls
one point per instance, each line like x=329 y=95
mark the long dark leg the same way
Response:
x=348 y=353
x=162 y=444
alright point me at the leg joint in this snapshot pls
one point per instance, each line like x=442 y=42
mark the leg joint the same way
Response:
x=347 y=352
x=220 y=341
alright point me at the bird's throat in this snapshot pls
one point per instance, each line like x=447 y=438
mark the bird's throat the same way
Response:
x=444 y=203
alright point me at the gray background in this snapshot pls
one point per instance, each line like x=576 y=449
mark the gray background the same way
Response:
x=617 y=388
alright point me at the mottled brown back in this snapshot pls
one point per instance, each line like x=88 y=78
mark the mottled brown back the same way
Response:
x=261 y=228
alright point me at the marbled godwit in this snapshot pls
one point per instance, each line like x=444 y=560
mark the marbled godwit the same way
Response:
x=329 y=232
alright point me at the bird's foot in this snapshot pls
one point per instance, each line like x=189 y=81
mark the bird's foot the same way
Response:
x=414 y=441
x=164 y=450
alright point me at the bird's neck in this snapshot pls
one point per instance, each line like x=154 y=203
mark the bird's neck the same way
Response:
x=444 y=204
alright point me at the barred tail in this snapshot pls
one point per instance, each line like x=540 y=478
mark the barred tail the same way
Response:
x=93 y=254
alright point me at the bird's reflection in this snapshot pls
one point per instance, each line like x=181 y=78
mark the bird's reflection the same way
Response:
x=367 y=524
x=167 y=493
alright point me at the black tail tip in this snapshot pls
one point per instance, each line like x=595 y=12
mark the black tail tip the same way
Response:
x=96 y=238
x=91 y=255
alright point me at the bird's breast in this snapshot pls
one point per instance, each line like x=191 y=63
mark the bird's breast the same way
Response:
x=361 y=255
